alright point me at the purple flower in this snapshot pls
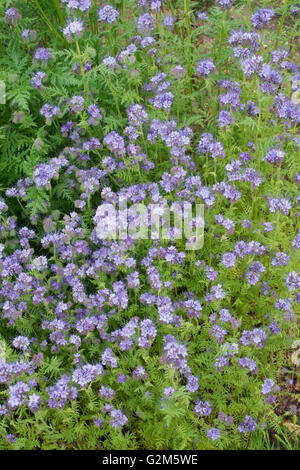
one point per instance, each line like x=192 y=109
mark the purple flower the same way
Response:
x=202 y=16
x=82 y=5
x=119 y=419
x=205 y=68
x=267 y=386
x=203 y=408
x=224 y=119
x=225 y=4
x=228 y=420
x=213 y=433
x=34 y=402
x=145 y=23
x=36 y=80
x=115 y=143
x=86 y=67
x=280 y=259
x=61 y=392
x=178 y=71
x=229 y=260
x=252 y=108
x=192 y=383
x=98 y=422
x=49 y=111
x=21 y=342
x=275 y=156
x=28 y=34
x=293 y=281
x=12 y=15
x=174 y=353
x=86 y=374
x=296 y=241
x=107 y=393
x=139 y=372
x=279 y=204
x=245 y=362
x=251 y=65
x=168 y=392
x=274 y=328
x=163 y=100
x=270 y=399
x=110 y=62
x=286 y=109
x=42 y=54
x=256 y=337
x=217 y=292
x=108 y=359
x=168 y=21
x=262 y=17
x=76 y=104
x=137 y=115
x=295 y=9
x=17 y=394
x=94 y=114
x=73 y=30
x=247 y=425
x=108 y=14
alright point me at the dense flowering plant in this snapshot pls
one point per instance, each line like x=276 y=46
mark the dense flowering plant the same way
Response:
x=141 y=343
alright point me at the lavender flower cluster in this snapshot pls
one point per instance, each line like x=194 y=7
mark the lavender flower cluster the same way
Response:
x=109 y=319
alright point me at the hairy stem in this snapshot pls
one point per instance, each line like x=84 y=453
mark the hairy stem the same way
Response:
x=51 y=26
x=280 y=27
x=86 y=92
x=189 y=33
x=115 y=97
x=59 y=12
x=248 y=11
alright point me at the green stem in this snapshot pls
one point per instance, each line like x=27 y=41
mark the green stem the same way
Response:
x=96 y=26
x=115 y=97
x=163 y=47
x=20 y=39
x=92 y=14
x=108 y=35
x=86 y=91
x=259 y=117
x=50 y=24
x=215 y=168
x=189 y=32
x=248 y=11
x=178 y=92
x=278 y=173
x=261 y=41
x=253 y=203
x=171 y=6
x=59 y=12
x=277 y=222
x=123 y=11
x=222 y=37
x=280 y=27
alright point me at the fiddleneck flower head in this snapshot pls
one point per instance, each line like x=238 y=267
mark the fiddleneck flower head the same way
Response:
x=108 y=14
x=12 y=15
x=73 y=30
x=225 y=4
x=28 y=35
x=145 y=23
x=262 y=17
x=42 y=54
x=205 y=68
x=81 y=5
